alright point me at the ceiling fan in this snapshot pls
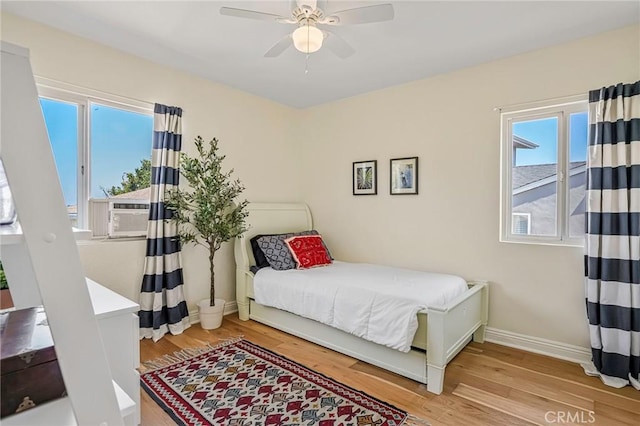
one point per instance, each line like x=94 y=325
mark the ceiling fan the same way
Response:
x=307 y=15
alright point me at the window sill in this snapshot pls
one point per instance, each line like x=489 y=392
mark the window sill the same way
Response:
x=537 y=242
x=101 y=240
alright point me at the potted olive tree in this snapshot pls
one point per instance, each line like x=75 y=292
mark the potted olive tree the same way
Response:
x=207 y=214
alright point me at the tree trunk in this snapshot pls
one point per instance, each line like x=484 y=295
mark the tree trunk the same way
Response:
x=212 y=296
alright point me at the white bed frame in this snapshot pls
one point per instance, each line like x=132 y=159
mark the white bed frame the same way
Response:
x=448 y=328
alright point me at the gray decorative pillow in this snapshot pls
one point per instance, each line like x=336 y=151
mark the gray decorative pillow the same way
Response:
x=276 y=250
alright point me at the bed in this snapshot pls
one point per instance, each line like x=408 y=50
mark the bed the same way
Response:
x=442 y=330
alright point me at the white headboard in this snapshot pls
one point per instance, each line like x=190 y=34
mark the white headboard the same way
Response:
x=270 y=218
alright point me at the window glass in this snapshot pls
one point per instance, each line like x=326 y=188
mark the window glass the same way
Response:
x=534 y=174
x=544 y=153
x=578 y=126
x=61 y=119
x=102 y=149
x=120 y=152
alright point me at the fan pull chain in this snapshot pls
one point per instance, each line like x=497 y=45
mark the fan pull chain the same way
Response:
x=306 y=62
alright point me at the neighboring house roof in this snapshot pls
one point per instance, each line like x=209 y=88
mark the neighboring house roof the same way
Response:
x=525 y=175
x=140 y=194
x=519 y=142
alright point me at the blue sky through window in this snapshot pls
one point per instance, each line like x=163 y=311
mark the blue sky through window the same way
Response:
x=544 y=133
x=120 y=139
x=61 y=120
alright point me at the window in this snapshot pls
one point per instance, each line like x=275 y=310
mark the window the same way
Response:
x=101 y=145
x=544 y=153
x=521 y=223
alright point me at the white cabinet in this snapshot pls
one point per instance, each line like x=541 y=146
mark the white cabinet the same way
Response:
x=95 y=331
x=119 y=328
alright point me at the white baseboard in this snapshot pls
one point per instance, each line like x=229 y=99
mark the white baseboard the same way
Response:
x=577 y=354
x=229 y=308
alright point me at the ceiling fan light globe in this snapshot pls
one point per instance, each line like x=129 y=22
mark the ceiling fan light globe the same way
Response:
x=307 y=39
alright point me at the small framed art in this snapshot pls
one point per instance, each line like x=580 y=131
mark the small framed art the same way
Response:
x=365 y=177
x=404 y=176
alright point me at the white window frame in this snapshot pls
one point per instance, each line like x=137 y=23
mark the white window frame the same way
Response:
x=84 y=98
x=562 y=108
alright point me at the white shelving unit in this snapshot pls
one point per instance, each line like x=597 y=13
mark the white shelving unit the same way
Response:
x=95 y=330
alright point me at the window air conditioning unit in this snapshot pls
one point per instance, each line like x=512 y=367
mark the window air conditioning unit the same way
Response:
x=128 y=218
x=118 y=218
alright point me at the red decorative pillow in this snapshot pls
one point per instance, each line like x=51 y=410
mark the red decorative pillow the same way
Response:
x=308 y=251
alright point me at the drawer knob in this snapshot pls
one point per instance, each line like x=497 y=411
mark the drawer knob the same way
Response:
x=27 y=356
x=25 y=404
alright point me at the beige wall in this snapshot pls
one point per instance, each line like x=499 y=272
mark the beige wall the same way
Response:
x=253 y=132
x=448 y=121
x=452 y=225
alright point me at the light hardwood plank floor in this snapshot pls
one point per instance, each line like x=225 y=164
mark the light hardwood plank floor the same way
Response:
x=486 y=384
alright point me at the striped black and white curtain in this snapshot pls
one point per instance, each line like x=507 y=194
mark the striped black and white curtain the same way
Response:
x=162 y=305
x=613 y=234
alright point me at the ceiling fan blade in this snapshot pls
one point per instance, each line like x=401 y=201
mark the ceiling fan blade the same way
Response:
x=250 y=14
x=361 y=15
x=312 y=4
x=337 y=45
x=279 y=47
x=321 y=4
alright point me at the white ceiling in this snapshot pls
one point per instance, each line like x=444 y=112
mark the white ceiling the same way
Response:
x=424 y=39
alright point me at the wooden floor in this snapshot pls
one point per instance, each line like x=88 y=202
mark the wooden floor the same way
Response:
x=486 y=384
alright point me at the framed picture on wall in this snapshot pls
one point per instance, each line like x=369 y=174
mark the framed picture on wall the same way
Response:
x=365 y=177
x=404 y=176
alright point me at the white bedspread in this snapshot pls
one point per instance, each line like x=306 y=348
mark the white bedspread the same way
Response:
x=376 y=303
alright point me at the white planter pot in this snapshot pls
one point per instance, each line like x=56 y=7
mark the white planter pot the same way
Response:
x=211 y=316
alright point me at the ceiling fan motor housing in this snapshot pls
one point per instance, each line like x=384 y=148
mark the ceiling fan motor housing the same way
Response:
x=305 y=13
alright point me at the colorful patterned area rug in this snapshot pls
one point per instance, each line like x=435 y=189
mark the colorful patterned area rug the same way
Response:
x=238 y=383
